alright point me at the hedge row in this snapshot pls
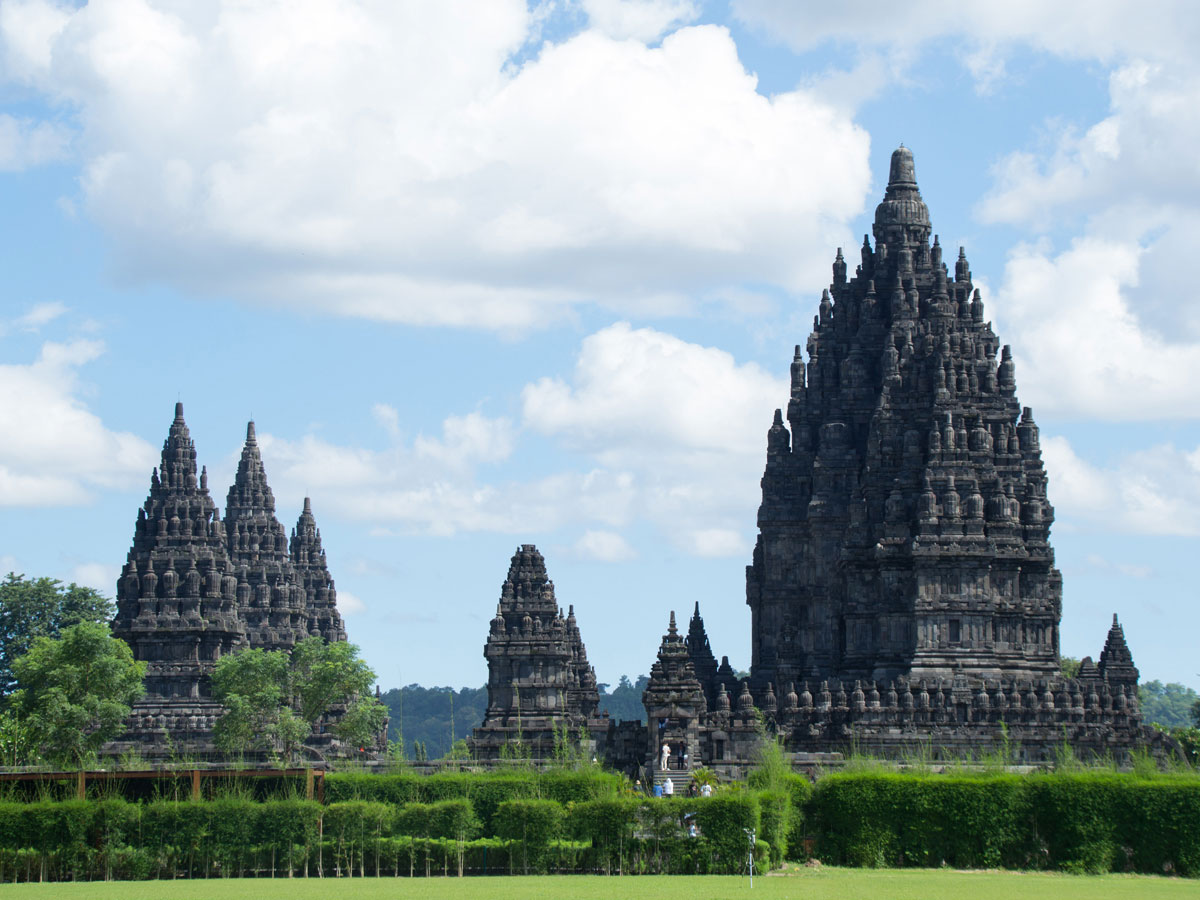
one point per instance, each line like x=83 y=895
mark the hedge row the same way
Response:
x=486 y=790
x=1092 y=822
x=447 y=824
x=234 y=837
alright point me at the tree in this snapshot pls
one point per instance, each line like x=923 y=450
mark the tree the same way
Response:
x=1171 y=705
x=252 y=685
x=625 y=701
x=1189 y=739
x=42 y=607
x=1068 y=666
x=74 y=692
x=423 y=714
x=274 y=698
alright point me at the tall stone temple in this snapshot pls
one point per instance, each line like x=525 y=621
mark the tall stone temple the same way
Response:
x=195 y=588
x=542 y=695
x=904 y=527
x=902 y=591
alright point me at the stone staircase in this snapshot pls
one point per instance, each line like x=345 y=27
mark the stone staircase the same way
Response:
x=679 y=778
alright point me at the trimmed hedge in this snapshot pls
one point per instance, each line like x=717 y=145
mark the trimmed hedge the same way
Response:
x=1100 y=823
x=486 y=790
x=799 y=790
x=1089 y=822
x=529 y=826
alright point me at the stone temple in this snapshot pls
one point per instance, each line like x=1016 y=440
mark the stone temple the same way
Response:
x=542 y=695
x=904 y=527
x=903 y=588
x=902 y=592
x=195 y=588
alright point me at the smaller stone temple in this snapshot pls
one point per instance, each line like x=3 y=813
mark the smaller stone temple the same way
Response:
x=542 y=696
x=195 y=588
x=696 y=711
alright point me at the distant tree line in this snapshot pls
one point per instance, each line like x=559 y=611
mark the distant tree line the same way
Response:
x=625 y=701
x=421 y=724
x=1169 y=705
x=425 y=722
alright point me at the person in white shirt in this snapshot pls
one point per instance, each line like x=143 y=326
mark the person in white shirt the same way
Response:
x=706 y=790
x=668 y=788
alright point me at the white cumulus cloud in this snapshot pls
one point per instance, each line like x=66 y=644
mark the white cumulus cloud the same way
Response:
x=1082 y=349
x=643 y=20
x=432 y=163
x=100 y=576
x=657 y=430
x=687 y=421
x=1099 y=29
x=34 y=318
x=431 y=484
x=639 y=394
x=716 y=542
x=604 y=546
x=349 y=604
x=25 y=143
x=1155 y=490
x=53 y=450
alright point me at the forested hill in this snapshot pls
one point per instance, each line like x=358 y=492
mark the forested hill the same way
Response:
x=1169 y=705
x=422 y=714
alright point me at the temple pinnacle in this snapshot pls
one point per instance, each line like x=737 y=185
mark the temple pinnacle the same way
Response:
x=903 y=169
x=902 y=219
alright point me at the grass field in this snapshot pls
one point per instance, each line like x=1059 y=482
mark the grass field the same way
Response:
x=803 y=884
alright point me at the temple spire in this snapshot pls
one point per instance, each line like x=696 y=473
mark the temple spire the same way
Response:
x=902 y=219
x=903 y=170
x=251 y=528
x=1116 y=662
x=531 y=587
x=320 y=596
x=178 y=468
x=700 y=651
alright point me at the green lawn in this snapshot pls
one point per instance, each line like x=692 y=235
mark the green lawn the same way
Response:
x=805 y=884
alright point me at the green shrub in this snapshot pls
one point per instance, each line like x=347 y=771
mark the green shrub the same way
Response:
x=607 y=824
x=889 y=819
x=1080 y=821
x=485 y=790
x=1075 y=822
x=530 y=826
x=448 y=819
x=774 y=814
x=799 y=791
x=724 y=819
x=1098 y=822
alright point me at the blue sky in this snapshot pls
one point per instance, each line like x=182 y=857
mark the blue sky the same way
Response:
x=495 y=273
